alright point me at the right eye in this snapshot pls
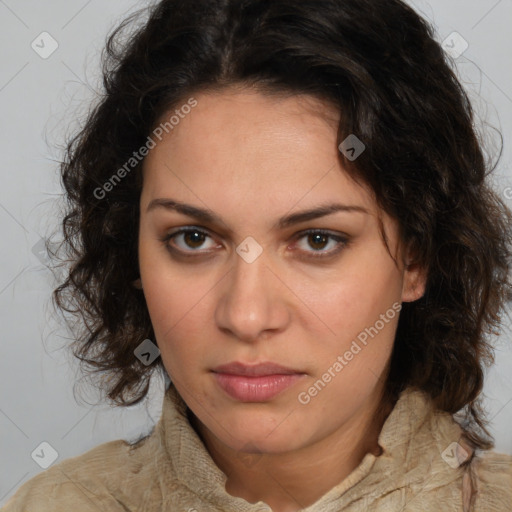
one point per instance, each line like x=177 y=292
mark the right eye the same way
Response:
x=187 y=240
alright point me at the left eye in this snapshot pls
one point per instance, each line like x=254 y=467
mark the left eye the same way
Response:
x=318 y=240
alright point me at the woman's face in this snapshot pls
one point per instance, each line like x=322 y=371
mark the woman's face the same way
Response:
x=275 y=337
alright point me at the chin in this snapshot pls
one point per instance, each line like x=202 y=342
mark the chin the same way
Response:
x=263 y=445
x=253 y=433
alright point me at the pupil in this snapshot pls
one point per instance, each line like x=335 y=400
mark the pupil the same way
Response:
x=195 y=235
x=318 y=239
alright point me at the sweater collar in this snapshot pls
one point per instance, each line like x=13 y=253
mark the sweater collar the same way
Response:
x=413 y=439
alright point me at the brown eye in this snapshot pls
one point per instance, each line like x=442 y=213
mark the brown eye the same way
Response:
x=194 y=239
x=188 y=240
x=319 y=240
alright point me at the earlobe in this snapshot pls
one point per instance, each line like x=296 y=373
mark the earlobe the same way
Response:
x=415 y=279
x=137 y=284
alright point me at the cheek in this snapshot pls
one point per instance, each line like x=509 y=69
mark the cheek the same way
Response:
x=178 y=315
x=356 y=297
x=170 y=297
x=175 y=313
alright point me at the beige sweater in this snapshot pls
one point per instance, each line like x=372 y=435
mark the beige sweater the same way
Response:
x=171 y=471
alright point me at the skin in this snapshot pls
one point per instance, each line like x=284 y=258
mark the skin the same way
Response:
x=252 y=158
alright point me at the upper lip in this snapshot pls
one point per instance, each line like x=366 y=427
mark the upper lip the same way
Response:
x=254 y=370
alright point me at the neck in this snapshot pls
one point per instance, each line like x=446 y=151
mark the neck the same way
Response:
x=291 y=481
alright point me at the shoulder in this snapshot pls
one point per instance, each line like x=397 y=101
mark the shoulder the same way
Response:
x=105 y=478
x=493 y=473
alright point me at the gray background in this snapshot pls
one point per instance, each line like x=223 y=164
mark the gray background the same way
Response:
x=40 y=101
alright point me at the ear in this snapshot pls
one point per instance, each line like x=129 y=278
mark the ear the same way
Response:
x=414 y=280
x=137 y=284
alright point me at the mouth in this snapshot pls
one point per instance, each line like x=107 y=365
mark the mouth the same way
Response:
x=255 y=383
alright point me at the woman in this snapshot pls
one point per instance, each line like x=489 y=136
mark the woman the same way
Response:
x=289 y=200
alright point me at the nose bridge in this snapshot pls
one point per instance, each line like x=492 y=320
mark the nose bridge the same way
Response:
x=246 y=278
x=250 y=300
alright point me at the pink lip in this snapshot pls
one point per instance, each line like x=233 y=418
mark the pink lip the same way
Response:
x=255 y=383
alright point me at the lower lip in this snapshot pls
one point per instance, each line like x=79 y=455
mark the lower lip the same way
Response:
x=255 y=389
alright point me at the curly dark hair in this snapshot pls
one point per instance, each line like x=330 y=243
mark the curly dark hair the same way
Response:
x=378 y=63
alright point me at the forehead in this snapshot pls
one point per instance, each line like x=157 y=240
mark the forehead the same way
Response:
x=278 y=149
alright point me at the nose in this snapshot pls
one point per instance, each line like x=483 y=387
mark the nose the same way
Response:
x=253 y=301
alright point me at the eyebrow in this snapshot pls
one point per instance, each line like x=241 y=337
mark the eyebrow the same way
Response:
x=208 y=216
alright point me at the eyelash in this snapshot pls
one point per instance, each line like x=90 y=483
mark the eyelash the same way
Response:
x=341 y=240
